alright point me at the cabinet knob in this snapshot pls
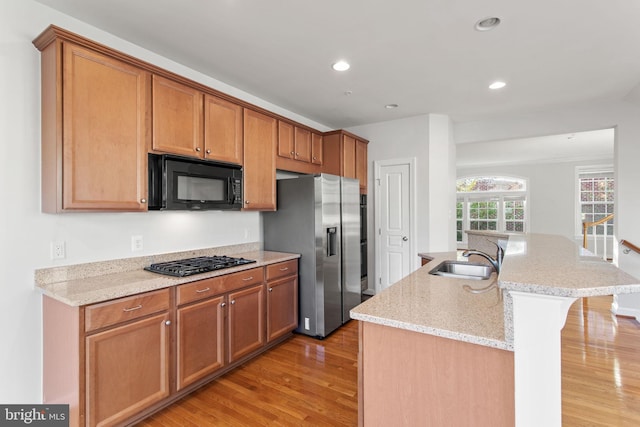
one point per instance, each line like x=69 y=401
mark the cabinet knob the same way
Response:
x=292 y=153
x=297 y=154
x=233 y=302
x=224 y=304
x=315 y=158
x=168 y=322
x=198 y=149
x=270 y=289
x=246 y=202
x=208 y=151
x=143 y=200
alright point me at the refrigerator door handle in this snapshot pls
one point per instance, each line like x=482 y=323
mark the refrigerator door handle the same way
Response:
x=332 y=241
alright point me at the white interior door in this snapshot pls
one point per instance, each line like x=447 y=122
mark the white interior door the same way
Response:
x=394 y=230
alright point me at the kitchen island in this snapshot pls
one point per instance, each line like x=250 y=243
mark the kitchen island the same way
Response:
x=443 y=357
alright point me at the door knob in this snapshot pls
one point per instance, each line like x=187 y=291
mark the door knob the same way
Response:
x=405 y=238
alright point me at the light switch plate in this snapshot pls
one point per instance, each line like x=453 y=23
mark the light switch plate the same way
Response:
x=136 y=243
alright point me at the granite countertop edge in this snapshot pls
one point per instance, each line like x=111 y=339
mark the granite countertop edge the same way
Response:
x=99 y=288
x=442 y=333
x=545 y=265
x=398 y=307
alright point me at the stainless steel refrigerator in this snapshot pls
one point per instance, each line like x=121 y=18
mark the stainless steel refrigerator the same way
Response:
x=318 y=217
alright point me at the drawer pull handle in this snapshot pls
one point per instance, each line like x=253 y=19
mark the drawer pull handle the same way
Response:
x=137 y=307
x=246 y=279
x=199 y=291
x=284 y=269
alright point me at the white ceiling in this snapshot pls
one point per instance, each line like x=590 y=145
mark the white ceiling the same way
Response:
x=572 y=147
x=421 y=54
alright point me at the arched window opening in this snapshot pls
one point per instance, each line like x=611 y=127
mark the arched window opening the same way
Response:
x=490 y=203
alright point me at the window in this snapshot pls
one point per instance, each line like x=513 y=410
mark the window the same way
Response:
x=495 y=203
x=596 y=189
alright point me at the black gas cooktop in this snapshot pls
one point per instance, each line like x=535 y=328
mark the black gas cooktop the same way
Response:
x=203 y=264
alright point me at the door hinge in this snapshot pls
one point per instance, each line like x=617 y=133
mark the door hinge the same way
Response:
x=378 y=181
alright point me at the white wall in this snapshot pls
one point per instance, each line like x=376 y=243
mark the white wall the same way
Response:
x=551 y=193
x=26 y=233
x=397 y=139
x=623 y=116
x=428 y=139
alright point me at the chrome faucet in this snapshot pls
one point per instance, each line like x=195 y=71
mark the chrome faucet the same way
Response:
x=496 y=263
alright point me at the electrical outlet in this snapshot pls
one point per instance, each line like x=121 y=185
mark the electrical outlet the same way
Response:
x=58 y=250
x=136 y=243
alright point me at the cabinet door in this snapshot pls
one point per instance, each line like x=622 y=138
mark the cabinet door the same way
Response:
x=200 y=340
x=285 y=140
x=260 y=138
x=302 y=145
x=348 y=157
x=222 y=130
x=127 y=369
x=246 y=322
x=177 y=118
x=361 y=165
x=282 y=307
x=316 y=149
x=105 y=127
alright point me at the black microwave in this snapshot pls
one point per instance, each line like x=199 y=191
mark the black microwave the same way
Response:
x=181 y=183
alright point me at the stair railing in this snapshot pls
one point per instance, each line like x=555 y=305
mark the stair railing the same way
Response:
x=629 y=247
x=585 y=231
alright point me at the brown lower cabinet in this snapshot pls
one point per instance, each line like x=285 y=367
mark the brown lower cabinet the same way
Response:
x=118 y=361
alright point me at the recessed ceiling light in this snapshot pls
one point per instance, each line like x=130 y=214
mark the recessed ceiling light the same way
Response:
x=487 y=24
x=341 y=66
x=497 y=85
x=391 y=106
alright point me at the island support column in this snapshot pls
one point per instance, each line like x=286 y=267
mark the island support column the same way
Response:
x=537 y=324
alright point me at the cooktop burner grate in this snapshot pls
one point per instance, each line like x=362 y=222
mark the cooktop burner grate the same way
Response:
x=190 y=266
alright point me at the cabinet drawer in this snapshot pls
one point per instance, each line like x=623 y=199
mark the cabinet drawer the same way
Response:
x=123 y=309
x=282 y=269
x=202 y=289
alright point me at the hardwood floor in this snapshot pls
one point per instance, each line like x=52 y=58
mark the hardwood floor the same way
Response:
x=305 y=381
x=600 y=367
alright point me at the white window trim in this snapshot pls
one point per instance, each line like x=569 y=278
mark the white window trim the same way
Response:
x=470 y=195
x=606 y=168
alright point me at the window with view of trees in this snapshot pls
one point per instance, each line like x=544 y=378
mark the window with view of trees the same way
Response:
x=595 y=196
x=495 y=203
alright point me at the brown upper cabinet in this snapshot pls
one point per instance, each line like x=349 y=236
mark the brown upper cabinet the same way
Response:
x=316 y=149
x=223 y=137
x=296 y=143
x=346 y=155
x=177 y=118
x=191 y=123
x=94 y=130
x=259 y=181
x=103 y=111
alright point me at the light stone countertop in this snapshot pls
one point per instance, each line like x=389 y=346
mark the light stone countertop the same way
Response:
x=439 y=306
x=90 y=283
x=534 y=263
x=554 y=265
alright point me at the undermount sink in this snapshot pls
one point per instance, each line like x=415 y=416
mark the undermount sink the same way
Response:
x=463 y=270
